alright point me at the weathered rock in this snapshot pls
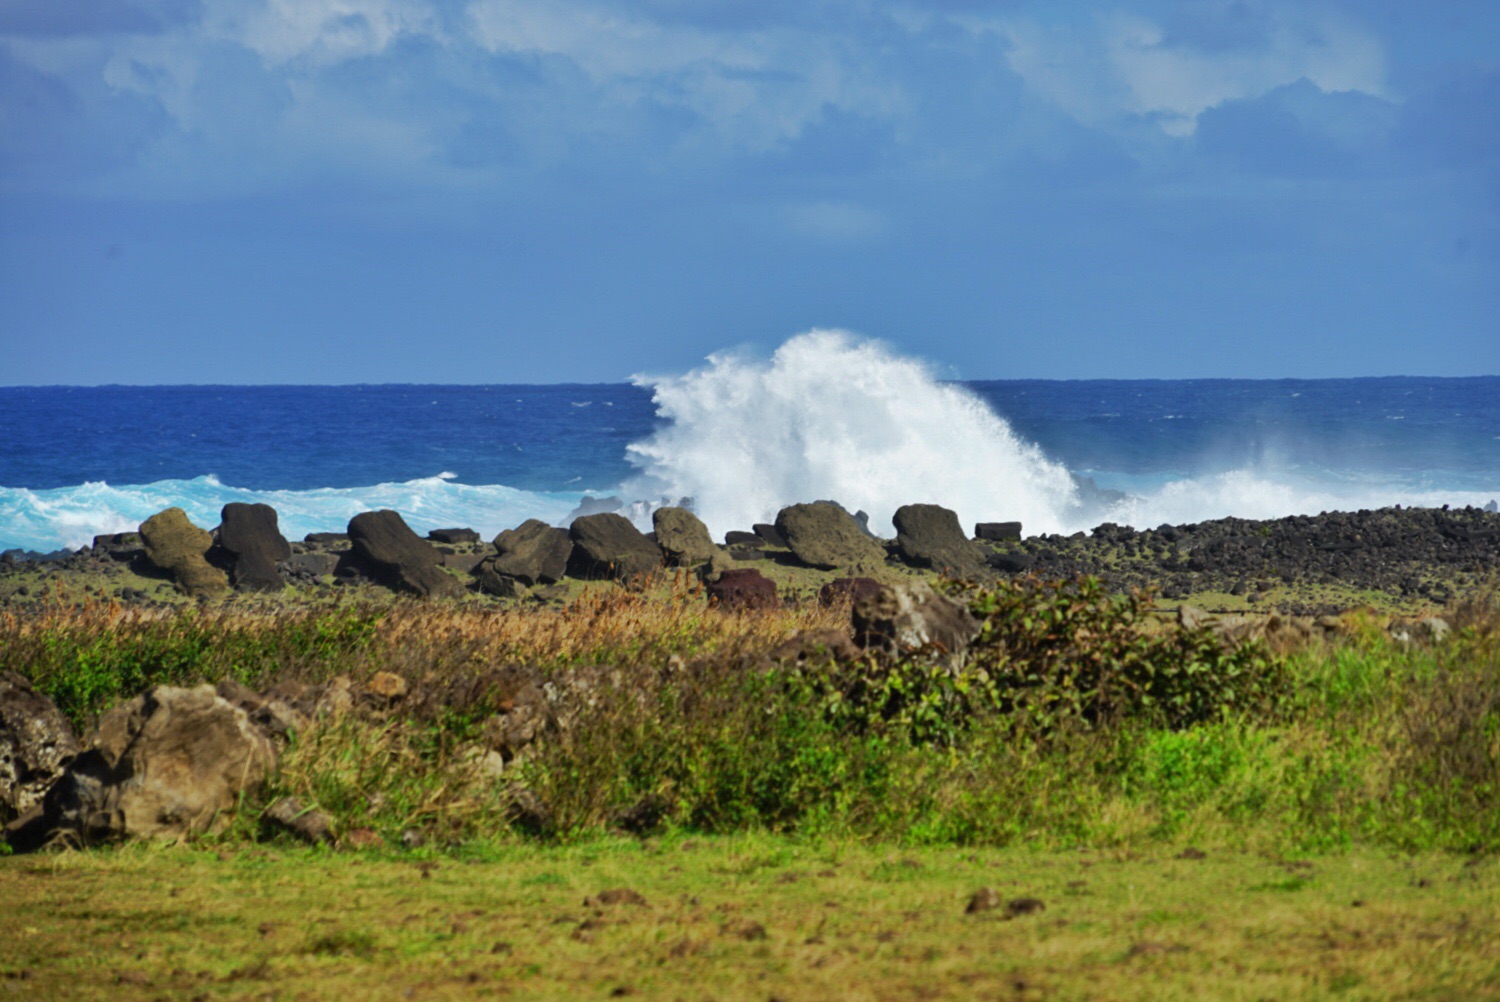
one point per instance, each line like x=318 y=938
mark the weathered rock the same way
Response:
x=682 y=537
x=533 y=553
x=453 y=536
x=384 y=548
x=737 y=537
x=997 y=530
x=816 y=646
x=326 y=538
x=178 y=547
x=307 y=823
x=308 y=566
x=928 y=535
x=169 y=763
x=743 y=588
x=849 y=590
x=272 y=714
x=35 y=744
x=464 y=563
x=491 y=582
x=826 y=536
x=607 y=545
x=249 y=546
x=911 y=617
x=120 y=546
x=769 y=535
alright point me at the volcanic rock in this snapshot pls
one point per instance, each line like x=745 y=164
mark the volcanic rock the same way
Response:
x=453 y=536
x=928 y=535
x=769 y=535
x=249 y=546
x=533 y=553
x=911 y=617
x=743 y=588
x=683 y=538
x=849 y=590
x=386 y=550
x=997 y=530
x=307 y=823
x=35 y=744
x=607 y=546
x=826 y=536
x=738 y=537
x=178 y=547
x=169 y=763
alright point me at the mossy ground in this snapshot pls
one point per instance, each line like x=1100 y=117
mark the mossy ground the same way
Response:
x=747 y=917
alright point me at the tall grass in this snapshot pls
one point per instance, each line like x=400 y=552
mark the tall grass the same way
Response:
x=1079 y=719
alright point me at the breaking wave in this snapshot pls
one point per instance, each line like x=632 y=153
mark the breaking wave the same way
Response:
x=832 y=417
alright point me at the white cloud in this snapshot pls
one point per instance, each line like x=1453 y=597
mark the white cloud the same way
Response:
x=1127 y=64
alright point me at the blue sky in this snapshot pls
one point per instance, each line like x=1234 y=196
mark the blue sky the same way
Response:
x=330 y=191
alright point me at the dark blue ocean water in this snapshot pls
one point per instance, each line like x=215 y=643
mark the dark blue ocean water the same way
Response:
x=75 y=461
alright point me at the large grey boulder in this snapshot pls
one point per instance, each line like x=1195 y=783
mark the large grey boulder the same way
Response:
x=384 y=548
x=928 y=535
x=249 y=546
x=178 y=547
x=826 y=536
x=912 y=618
x=608 y=546
x=682 y=537
x=169 y=763
x=35 y=744
x=533 y=552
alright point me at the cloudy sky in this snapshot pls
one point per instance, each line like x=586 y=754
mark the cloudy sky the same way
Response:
x=332 y=191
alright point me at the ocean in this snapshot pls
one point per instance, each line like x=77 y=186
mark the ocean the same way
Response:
x=826 y=416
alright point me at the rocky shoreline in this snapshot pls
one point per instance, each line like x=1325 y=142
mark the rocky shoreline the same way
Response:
x=1400 y=559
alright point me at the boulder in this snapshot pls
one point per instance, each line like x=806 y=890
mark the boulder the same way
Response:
x=326 y=538
x=826 y=536
x=385 y=550
x=738 y=537
x=178 y=547
x=534 y=553
x=119 y=546
x=995 y=531
x=769 y=535
x=682 y=537
x=35 y=744
x=743 y=588
x=169 y=763
x=607 y=545
x=249 y=547
x=453 y=537
x=928 y=535
x=849 y=590
x=912 y=617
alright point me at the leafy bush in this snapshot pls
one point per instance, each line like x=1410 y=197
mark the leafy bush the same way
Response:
x=1059 y=650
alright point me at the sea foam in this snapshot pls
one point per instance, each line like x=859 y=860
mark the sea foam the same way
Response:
x=830 y=416
x=69 y=517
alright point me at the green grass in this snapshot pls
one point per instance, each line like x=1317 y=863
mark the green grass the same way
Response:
x=747 y=917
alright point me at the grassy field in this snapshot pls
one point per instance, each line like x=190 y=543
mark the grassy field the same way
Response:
x=748 y=917
x=1187 y=820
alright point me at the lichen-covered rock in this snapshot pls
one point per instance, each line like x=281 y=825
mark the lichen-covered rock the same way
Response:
x=35 y=744
x=384 y=548
x=169 y=763
x=607 y=546
x=911 y=618
x=826 y=536
x=928 y=535
x=683 y=538
x=178 y=547
x=249 y=547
